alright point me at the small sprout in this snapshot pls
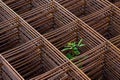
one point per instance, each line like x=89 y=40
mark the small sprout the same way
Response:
x=80 y=43
x=69 y=56
x=73 y=49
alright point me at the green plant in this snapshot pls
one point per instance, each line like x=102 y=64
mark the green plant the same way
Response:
x=73 y=49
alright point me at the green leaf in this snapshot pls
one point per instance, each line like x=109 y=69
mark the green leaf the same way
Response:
x=65 y=49
x=79 y=43
x=69 y=56
x=75 y=49
x=76 y=53
x=74 y=44
x=69 y=44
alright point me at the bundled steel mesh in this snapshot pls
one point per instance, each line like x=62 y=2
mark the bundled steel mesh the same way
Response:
x=4 y=15
x=101 y=62
x=22 y=6
x=31 y=55
x=97 y=15
x=36 y=57
x=13 y=30
x=115 y=3
x=65 y=71
x=44 y=17
x=7 y=72
x=82 y=8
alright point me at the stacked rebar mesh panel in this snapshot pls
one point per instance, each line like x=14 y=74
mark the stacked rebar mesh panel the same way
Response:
x=115 y=2
x=91 y=68
x=43 y=16
x=37 y=56
x=102 y=62
x=22 y=6
x=39 y=59
x=14 y=31
x=68 y=26
x=82 y=8
x=63 y=72
x=7 y=72
x=115 y=22
x=108 y=34
x=93 y=12
x=104 y=17
x=33 y=58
